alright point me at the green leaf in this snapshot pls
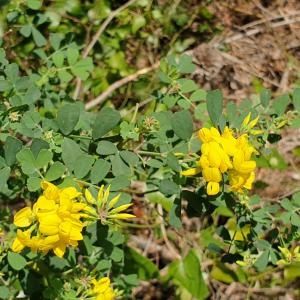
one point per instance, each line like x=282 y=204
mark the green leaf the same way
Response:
x=5 y=85
x=187 y=85
x=173 y=163
x=138 y=22
x=4 y=292
x=106 y=148
x=287 y=204
x=184 y=103
x=135 y=263
x=58 y=59
x=159 y=198
x=296 y=99
x=16 y=261
x=168 y=187
x=154 y=163
x=31 y=119
x=72 y=56
x=265 y=97
x=214 y=106
x=280 y=104
x=4 y=175
x=64 y=76
x=295 y=219
x=187 y=273
x=182 y=124
x=68 y=117
x=82 y=68
x=34 y=184
x=26 y=30
x=198 y=95
x=11 y=147
x=106 y=120
x=163 y=77
x=38 y=37
x=99 y=170
x=262 y=261
x=27 y=160
x=175 y=214
x=186 y=65
x=170 y=100
x=223 y=273
x=129 y=157
x=118 y=166
x=55 y=40
x=83 y=166
x=70 y=153
x=34 y=4
x=128 y=131
x=119 y=182
x=43 y=158
x=55 y=171
x=37 y=145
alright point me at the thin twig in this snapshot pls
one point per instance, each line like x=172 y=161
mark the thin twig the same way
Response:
x=164 y=233
x=255 y=31
x=246 y=69
x=117 y=84
x=96 y=37
x=262 y=21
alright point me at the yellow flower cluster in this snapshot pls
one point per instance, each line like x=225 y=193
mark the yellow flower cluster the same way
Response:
x=53 y=223
x=103 y=209
x=102 y=289
x=289 y=256
x=55 y=220
x=224 y=153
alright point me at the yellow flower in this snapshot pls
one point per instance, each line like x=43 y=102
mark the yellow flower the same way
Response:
x=104 y=209
x=55 y=221
x=102 y=289
x=191 y=172
x=246 y=122
x=213 y=188
x=51 y=191
x=21 y=241
x=289 y=256
x=24 y=217
x=223 y=153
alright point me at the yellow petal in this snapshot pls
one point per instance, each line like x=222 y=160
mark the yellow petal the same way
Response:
x=113 y=201
x=256 y=132
x=100 y=195
x=24 y=217
x=50 y=190
x=212 y=188
x=120 y=208
x=241 y=263
x=69 y=193
x=203 y=162
x=249 y=181
x=101 y=285
x=49 y=224
x=246 y=120
x=253 y=122
x=60 y=250
x=105 y=196
x=17 y=245
x=191 y=172
x=247 y=166
x=88 y=196
x=121 y=216
x=204 y=135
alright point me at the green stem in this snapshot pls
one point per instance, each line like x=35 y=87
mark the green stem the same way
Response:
x=149 y=153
